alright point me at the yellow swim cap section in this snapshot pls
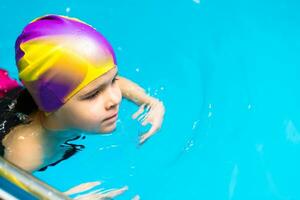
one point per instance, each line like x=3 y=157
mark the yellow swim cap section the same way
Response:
x=62 y=55
x=41 y=57
x=92 y=74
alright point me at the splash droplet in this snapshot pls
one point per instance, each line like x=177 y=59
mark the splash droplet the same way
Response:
x=68 y=9
x=249 y=106
x=195 y=124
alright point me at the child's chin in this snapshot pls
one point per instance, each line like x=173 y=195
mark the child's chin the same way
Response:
x=108 y=129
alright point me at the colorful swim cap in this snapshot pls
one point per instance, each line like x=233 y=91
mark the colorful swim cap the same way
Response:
x=57 y=56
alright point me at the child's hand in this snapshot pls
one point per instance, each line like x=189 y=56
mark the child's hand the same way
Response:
x=94 y=194
x=154 y=116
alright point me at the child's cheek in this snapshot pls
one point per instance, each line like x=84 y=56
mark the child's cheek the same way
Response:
x=94 y=113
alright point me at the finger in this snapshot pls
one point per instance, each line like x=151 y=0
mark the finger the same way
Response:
x=150 y=116
x=142 y=117
x=82 y=187
x=145 y=137
x=153 y=111
x=140 y=111
x=97 y=194
x=148 y=107
x=114 y=193
x=103 y=195
x=146 y=121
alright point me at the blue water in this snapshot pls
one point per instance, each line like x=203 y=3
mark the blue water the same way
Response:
x=228 y=73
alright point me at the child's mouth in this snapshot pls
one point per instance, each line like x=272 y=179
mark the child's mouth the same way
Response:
x=111 y=118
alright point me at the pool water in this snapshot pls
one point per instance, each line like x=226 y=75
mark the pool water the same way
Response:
x=228 y=73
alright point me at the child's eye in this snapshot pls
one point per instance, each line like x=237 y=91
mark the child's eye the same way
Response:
x=93 y=95
x=114 y=80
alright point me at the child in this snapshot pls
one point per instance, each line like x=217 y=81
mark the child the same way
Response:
x=69 y=71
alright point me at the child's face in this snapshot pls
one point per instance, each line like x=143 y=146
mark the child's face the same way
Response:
x=95 y=107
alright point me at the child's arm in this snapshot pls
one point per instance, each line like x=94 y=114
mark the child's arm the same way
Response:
x=154 y=116
x=133 y=92
x=94 y=194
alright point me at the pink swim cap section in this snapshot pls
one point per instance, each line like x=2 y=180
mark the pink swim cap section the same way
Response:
x=6 y=83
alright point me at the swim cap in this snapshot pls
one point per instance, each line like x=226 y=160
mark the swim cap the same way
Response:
x=6 y=83
x=57 y=56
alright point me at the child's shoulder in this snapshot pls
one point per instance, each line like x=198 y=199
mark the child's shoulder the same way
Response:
x=21 y=133
x=23 y=146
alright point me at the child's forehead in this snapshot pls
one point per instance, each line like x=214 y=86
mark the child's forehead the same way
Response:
x=101 y=80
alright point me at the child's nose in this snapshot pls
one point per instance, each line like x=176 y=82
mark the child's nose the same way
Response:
x=113 y=97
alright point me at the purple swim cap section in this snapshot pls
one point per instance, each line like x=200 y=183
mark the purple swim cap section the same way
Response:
x=58 y=25
x=50 y=100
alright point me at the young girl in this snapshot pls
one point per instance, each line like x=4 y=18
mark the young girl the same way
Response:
x=71 y=85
